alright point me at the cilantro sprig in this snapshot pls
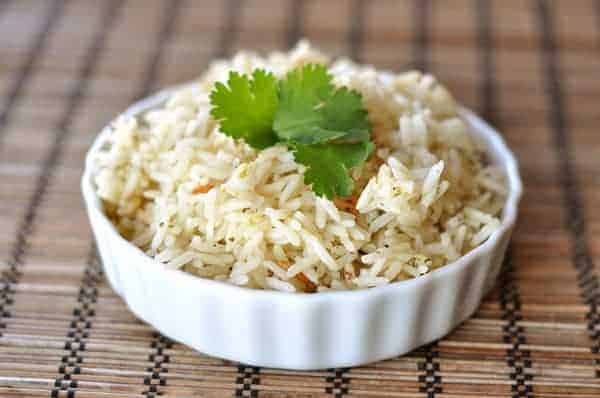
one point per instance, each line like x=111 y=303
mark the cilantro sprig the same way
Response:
x=327 y=128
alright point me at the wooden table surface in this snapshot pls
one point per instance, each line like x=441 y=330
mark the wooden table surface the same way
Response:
x=532 y=68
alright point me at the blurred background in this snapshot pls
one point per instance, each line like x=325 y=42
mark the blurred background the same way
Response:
x=530 y=67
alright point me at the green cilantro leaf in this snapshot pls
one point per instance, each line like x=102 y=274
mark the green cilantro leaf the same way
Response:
x=328 y=166
x=246 y=108
x=327 y=128
x=312 y=111
x=345 y=112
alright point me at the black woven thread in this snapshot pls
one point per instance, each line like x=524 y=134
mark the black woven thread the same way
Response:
x=517 y=359
x=248 y=377
x=337 y=384
x=157 y=372
x=295 y=23
x=24 y=74
x=160 y=343
x=79 y=329
x=421 y=47
x=513 y=333
x=571 y=195
x=430 y=382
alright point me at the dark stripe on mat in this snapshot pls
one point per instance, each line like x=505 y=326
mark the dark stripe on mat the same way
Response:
x=229 y=29
x=171 y=11
x=61 y=131
x=4 y=4
x=83 y=314
x=513 y=333
x=483 y=17
x=574 y=213
x=356 y=31
x=422 y=10
x=24 y=74
x=597 y=18
x=156 y=372
x=296 y=23
x=430 y=381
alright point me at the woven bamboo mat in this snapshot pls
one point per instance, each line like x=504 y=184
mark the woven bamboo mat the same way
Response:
x=67 y=67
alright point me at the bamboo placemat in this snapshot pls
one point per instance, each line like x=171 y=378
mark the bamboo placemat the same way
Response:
x=67 y=67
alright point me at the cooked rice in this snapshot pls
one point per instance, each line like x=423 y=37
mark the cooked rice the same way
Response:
x=196 y=200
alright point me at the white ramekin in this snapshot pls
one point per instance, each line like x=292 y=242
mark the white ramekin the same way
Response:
x=302 y=331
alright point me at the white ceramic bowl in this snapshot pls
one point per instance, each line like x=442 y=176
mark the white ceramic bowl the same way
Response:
x=302 y=331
